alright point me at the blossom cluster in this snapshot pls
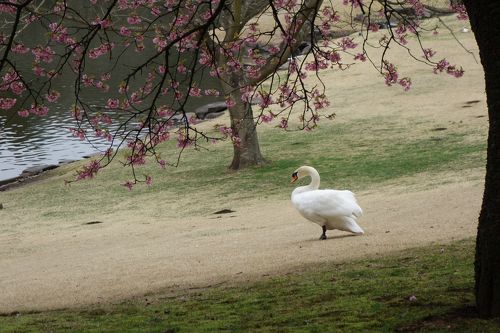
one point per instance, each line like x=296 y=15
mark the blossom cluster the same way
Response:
x=167 y=49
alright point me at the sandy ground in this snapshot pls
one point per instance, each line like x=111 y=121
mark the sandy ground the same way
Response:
x=53 y=266
x=108 y=262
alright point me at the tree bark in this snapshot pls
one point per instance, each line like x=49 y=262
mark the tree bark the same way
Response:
x=246 y=144
x=484 y=16
x=246 y=148
x=237 y=14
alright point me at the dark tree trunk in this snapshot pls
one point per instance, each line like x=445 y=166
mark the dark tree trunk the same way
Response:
x=484 y=17
x=246 y=149
x=246 y=146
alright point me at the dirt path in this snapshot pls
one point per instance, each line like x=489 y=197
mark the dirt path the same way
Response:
x=54 y=268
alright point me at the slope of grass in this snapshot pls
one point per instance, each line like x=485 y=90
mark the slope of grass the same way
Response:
x=348 y=155
x=424 y=290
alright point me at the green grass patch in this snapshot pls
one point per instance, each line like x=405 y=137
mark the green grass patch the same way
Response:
x=355 y=155
x=424 y=289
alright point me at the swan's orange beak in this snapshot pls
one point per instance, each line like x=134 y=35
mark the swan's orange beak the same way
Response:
x=294 y=177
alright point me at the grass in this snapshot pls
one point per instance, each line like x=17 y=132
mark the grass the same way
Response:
x=418 y=290
x=358 y=156
x=364 y=153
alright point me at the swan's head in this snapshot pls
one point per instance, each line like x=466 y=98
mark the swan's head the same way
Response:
x=302 y=172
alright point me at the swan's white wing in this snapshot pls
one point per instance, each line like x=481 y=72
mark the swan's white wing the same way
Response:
x=327 y=203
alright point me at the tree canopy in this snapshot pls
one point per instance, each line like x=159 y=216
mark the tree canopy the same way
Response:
x=137 y=65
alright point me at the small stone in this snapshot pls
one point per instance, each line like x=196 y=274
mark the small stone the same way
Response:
x=224 y=211
x=204 y=110
x=93 y=222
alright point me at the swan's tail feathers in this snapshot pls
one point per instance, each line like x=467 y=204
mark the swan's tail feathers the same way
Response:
x=358 y=231
x=354 y=227
x=358 y=212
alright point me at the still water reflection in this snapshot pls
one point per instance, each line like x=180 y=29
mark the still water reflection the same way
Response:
x=39 y=141
x=33 y=141
x=36 y=141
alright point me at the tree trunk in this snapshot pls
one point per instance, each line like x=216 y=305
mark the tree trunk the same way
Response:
x=246 y=148
x=484 y=16
x=245 y=142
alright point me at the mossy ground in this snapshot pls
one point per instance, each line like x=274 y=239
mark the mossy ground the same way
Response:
x=418 y=290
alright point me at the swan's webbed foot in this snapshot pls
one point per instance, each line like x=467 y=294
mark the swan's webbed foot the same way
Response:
x=323 y=235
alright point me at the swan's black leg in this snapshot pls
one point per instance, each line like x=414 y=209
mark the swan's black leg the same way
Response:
x=323 y=235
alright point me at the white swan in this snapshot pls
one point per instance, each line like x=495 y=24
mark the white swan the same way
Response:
x=331 y=209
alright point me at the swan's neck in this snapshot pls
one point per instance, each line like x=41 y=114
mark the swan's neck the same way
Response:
x=314 y=185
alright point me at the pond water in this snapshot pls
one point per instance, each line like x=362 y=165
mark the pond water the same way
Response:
x=34 y=141
x=38 y=141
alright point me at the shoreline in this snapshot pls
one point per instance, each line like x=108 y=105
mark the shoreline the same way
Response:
x=30 y=175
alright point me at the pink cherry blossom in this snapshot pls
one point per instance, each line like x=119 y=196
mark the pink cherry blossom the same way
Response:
x=38 y=70
x=123 y=4
x=230 y=103
x=418 y=7
x=183 y=141
x=17 y=87
x=100 y=50
x=353 y=3
x=105 y=76
x=43 y=54
x=39 y=110
x=428 y=53
x=181 y=68
x=129 y=185
x=405 y=83
x=225 y=131
x=23 y=113
x=373 y=27
x=266 y=118
x=124 y=31
x=391 y=74
x=456 y=72
x=165 y=111
x=155 y=11
x=195 y=91
x=134 y=19
x=52 y=96
x=211 y=92
x=441 y=66
x=20 y=48
x=236 y=141
x=112 y=103
x=360 y=56
x=9 y=9
x=7 y=103
x=78 y=132
x=461 y=11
